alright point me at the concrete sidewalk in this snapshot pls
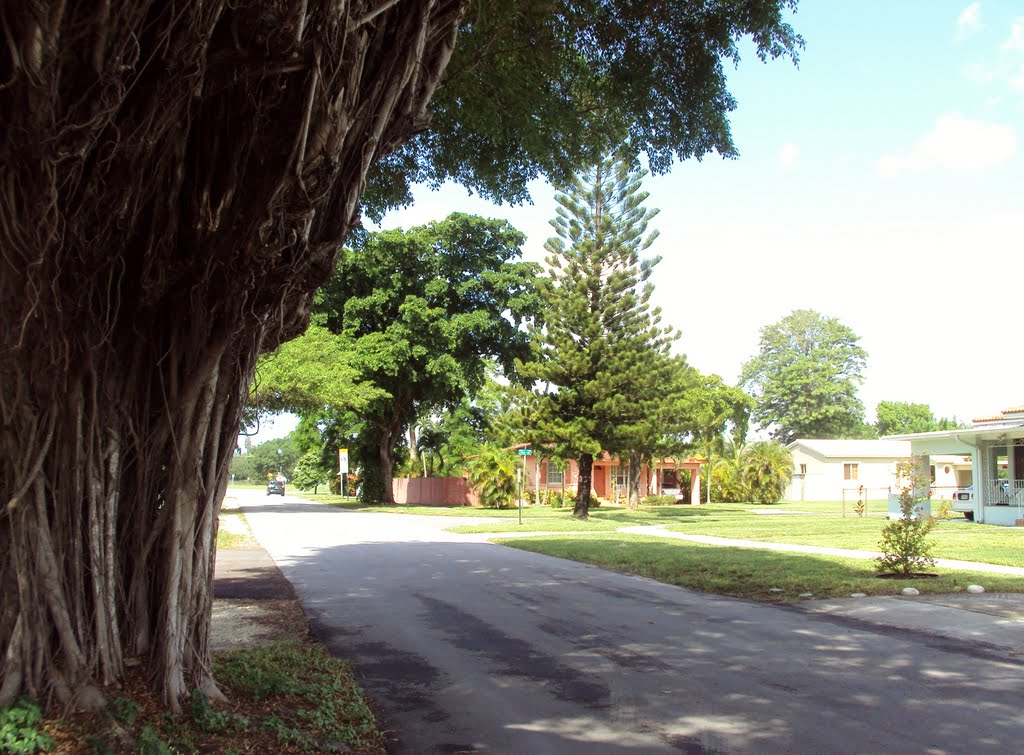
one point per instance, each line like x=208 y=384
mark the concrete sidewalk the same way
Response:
x=993 y=621
x=658 y=530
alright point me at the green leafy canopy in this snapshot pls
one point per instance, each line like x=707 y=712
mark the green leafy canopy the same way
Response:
x=804 y=380
x=410 y=323
x=539 y=87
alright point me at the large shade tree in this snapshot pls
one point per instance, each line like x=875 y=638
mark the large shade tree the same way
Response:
x=896 y=417
x=418 y=316
x=804 y=380
x=179 y=178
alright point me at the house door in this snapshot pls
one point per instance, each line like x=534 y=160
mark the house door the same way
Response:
x=1017 y=473
x=600 y=481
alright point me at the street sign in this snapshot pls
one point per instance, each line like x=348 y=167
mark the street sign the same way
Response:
x=343 y=461
x=526 y=452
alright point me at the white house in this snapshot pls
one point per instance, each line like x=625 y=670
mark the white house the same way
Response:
x=836 y=470
x=995 y=445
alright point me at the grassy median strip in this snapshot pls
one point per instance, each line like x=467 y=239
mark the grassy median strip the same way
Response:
x=746 y=573
x=956 y=538
x=605 y=518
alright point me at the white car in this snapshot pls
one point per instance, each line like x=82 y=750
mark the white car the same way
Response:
x=963 y=501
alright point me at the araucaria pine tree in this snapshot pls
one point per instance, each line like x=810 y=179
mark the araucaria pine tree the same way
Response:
x=601 y=341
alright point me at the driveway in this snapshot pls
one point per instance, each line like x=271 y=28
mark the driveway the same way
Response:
x=469 y=647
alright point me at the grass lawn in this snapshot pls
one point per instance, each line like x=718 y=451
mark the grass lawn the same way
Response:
x=746 y=573
x=814 y=523
x=955 y=538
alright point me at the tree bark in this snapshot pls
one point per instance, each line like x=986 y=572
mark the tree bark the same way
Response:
x=178 y=178
x=387 y=464
x=636 y=463
x=582 y=508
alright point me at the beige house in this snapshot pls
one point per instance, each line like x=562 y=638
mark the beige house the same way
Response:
x=836 y=470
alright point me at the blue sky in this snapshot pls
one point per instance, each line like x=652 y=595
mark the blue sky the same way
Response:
x=879 y=182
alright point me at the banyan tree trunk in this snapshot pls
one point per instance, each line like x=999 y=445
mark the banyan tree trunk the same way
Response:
x=177 y=178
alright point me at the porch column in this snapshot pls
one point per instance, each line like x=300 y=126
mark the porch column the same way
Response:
x=695 y=486
x=923 y=471
x=981 y=470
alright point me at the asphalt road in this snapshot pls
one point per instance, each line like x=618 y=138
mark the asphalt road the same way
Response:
x=469 y=647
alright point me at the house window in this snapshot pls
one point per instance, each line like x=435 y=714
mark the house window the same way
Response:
x=555 y=476
x=620 y=477
x=803 y=469
x=850 y=471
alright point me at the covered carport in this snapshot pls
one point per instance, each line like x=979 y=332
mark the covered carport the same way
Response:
x=996 y=447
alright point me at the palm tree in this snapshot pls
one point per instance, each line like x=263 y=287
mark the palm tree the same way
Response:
x=767 y=470
x=429 y=444
x=726 y=476
x=492 y=474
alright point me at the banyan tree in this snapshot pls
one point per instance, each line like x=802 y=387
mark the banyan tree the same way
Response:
x=176 y=179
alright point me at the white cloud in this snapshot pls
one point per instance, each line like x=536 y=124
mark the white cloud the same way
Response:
x=979 y=74
x=1016 y=39
x=969 y=21
x=1017 y=80
x=789 y=155
x=955 y=145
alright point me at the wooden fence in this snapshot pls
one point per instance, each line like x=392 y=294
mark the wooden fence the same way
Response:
x=433 y=491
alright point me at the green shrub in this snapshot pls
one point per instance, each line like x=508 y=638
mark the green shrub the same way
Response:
x=659 y=500
x=553 y=498
x=904 y=545
x=21 y=728
x=124 y=709
x=203 y=714
x=767 y=468
x=149 y=742
x=557 y=500
x=492 y=474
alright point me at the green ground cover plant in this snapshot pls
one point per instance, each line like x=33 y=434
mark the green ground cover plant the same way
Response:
x=21 y=728
x=289 y=697
x=746 y=573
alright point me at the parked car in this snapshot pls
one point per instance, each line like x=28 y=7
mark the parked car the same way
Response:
x=275 y=487
x=963 y=501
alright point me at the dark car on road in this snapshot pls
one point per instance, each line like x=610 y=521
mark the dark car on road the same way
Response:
x=275 y=487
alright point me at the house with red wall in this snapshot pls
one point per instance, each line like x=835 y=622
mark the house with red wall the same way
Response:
x=609 y=477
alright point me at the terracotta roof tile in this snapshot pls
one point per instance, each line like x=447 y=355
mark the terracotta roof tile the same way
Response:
x=989 y=418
